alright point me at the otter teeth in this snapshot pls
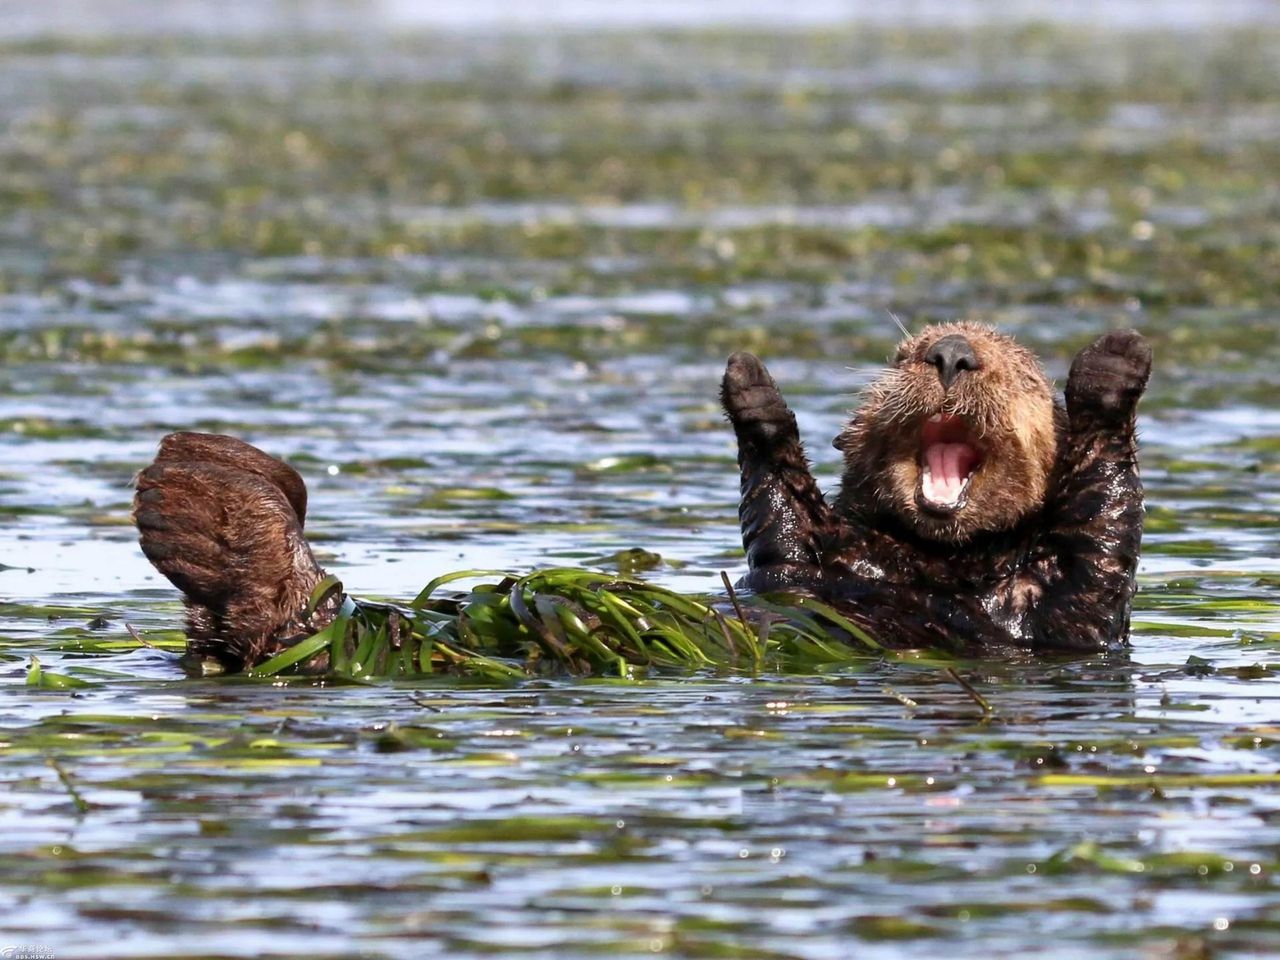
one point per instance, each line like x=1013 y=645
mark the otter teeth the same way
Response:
x=947 y=469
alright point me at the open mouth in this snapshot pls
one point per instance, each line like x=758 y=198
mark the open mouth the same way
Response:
x=948 y=460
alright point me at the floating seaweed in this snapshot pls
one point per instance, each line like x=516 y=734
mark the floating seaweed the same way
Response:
x=566 y=620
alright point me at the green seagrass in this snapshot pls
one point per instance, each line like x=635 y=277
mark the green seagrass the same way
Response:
x=568 y=620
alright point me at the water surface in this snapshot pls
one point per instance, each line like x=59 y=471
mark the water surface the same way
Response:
x=479 y=289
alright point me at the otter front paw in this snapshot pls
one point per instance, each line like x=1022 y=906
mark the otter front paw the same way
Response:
x=1109 y=376
x=759 y=415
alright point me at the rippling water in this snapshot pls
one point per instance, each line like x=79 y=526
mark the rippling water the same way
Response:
x=480 y=289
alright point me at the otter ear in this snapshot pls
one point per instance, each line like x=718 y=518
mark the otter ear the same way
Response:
x=846 y=438
x=851 y=437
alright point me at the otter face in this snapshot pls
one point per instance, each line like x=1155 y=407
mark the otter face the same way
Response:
x=957 y=438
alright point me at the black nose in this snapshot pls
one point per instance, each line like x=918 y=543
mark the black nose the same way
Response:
x=951 y=355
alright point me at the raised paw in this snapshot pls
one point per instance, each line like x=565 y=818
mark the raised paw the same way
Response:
x=755 y=407
x=1109 y=376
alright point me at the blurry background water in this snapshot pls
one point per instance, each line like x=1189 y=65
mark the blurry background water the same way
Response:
x=475 y=269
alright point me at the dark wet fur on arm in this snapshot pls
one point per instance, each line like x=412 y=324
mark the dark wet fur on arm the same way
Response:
x=1087 y=560
x=784 y=517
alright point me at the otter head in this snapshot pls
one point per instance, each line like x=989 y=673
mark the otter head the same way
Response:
x=956 y=438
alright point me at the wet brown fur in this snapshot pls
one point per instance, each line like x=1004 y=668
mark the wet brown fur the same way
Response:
x=1009 y=406
x=1044 y=552
x=223 y=522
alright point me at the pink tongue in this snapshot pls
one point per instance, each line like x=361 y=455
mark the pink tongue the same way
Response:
x=949 y=466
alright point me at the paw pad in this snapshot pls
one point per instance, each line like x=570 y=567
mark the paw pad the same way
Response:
x=1111 y=373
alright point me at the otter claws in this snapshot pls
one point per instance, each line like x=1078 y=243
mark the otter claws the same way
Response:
x=759 y=414
x=1109 y=376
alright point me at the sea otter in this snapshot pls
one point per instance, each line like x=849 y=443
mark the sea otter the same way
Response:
x=974 y=506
